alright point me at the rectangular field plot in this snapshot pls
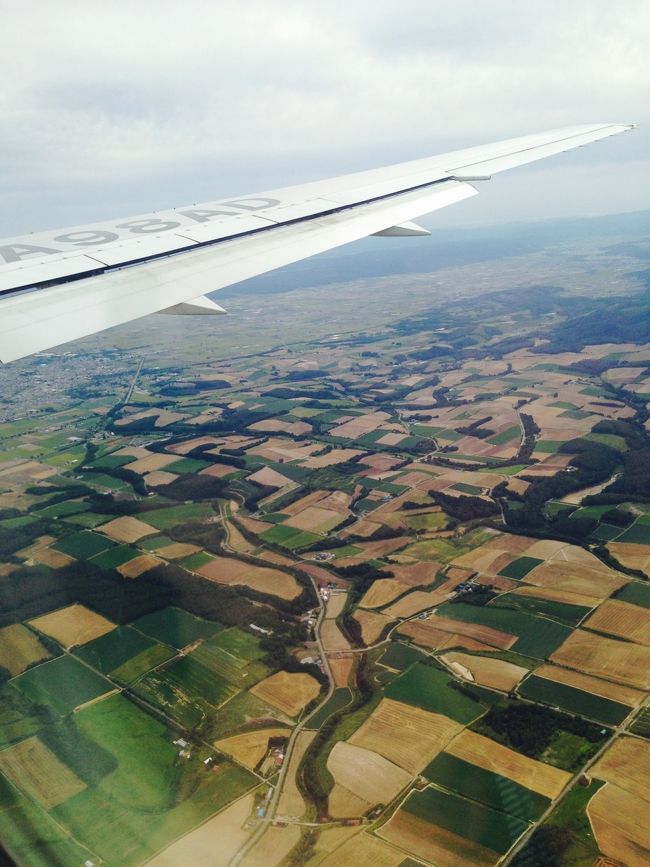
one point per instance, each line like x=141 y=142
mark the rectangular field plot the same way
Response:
x=187 y=691
x=638 y=534
x=125 y=650
x=641 y=725
x=115 y=557
x=176 y=627
x=520 y=567
x=538 y=637
x=429 y=688
x=84 y=544
x=485 y=786
x=573 y=700
x=487 y=827
x=62 y=684
x=149 y=798
x=19 y=648
x=562 y=611
x=72 y=625
x=289 y=537
x=34 y=769
x=195 y=513
x=234 y=655
x=399 y=656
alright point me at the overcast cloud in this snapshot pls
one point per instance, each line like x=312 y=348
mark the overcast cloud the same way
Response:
x=108 y=109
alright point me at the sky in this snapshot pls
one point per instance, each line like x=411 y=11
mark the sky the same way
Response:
x=113 y=109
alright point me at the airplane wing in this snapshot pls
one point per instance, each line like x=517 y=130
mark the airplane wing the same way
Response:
x=62 y=285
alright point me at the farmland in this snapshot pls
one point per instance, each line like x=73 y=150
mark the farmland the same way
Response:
x=431 y=689
x=62 y=684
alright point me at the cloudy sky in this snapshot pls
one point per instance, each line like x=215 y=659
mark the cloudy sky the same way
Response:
x=110 y=109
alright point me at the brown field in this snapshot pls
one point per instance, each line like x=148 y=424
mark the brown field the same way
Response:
x=407 y=736
x=19 y=648
x=177 y=550
x=270 y=478
x=274 y=846
x=634 y=556
x=225 y=570
x=335 y=605
x=341 y=667
x=557 y=594
x=576 y=578
x=425 y=633
x=494 y=673
x=198 y=847
x=626 y=764
x=133 y=452
x=187 y=446
x=434 y=844
x=271 y=581
x=238 y=542
x=32 y=767
x=250 y=748
x=288 y=692
x=159 y=477
x=151 y=463
x=366 y=774
x=417 y=600
x=336 y=456
x=383 y=591
x=605 y=657
x=272 y=557
x=484 y=634
x=344 y=804
x=138 y=566
x=491 y=756
x=50 y=557
x=631 y=622
x=605 y=688
x=332 y=637
x=291 y=802
x=414 y=574
x=72 y=625
x=127 y=529
x=315 y=520
x=619 y=822
x=363 y=851
x=372 y=625
x=217 y=471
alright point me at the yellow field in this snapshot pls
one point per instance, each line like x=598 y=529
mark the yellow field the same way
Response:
x=365 y=773
x=138 y=566
x=127 y=529
x=32 y=767
x=341 y=667
x=626 y=764
x=51 y=557
x=576 y=578
x=250 y=748
x=274 y=846
x=198 y=847
x=372 y=624
x=634 y=556
x=619 y=820
x=335 y=605
x=631 y=622
x=488 y=754
x=227 y=570
x=72 y=625
x=344 y=804
x=287 y=691
x=291 y=802
x=494 y=673
x=434 y=844
x=426 y=634
x=383 y=591
x=406 y=735
x=332 y=637
x=605 y=657
x=558 y=594
x=19 y=648
x=177 y=550
x=595 y=685
x=364 y=851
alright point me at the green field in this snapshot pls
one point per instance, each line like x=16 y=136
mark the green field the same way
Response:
x=114 y=557
x=123 y=645
x=195 y=561
x=238 y=711
x=176 y=627
x=505 y=436
x=538 y=637
x=428 y=521
x=186 y=465
x=520 y=567
x=238 y=643
x=488 y=827
x=429 y=688
x=62 y=684
x=18 y=717
x=234 y=655
x=289 y=537
x=339 y=699
x=89 y=520
x=399 y=656
x=150 y=798
x=641 y=724
x=188 y=513
x=635 y=593
x=464 y=488
x=186 y=691
x=62 y=510
x=638 y=533
x=84 y=544
x=563 y=611
x=573 y=700
x=486 y=787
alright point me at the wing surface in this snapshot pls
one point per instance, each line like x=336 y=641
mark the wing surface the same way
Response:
x=62 y=285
